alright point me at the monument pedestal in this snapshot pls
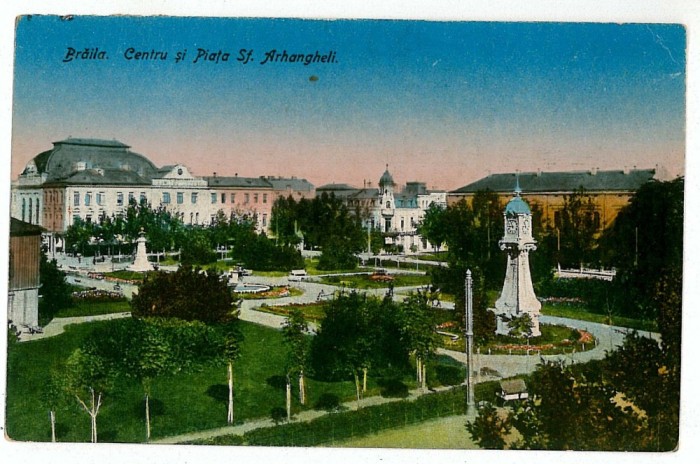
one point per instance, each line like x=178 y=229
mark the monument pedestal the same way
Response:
x=141 y=263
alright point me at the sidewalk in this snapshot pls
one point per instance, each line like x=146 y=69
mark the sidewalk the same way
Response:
x=304 y=416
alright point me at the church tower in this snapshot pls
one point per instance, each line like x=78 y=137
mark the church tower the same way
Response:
x=518 y=296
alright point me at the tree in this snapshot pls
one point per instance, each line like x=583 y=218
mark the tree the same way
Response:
x=295 y=336
x=521 y=326
x=489 y=429
x=153 y=359
x=55 y=292
x=418 y=333
x=231 y=352
x=577 y=229
x=52 y=396
x=188 y=294
x=432 y=227
x=88 y=378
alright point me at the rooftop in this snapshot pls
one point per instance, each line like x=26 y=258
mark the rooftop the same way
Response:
x=537 y=182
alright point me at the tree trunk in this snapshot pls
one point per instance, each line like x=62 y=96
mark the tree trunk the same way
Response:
x=230 y=394
x=419 y=378
x=357 y=389
x=148 y=419
x=302 y=388
x=289 y=400
x=423 y=379
x=364 y=380
x=52 y=415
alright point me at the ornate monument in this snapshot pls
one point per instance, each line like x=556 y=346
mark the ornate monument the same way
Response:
x=141 y=263
x=517 y=297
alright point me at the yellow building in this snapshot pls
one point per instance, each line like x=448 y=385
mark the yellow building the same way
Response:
x=546 y=192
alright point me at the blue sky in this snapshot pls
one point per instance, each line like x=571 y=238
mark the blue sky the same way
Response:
x=443 y=102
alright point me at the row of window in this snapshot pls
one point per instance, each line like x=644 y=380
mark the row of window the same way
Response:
x=246 y=198
x=100 y=198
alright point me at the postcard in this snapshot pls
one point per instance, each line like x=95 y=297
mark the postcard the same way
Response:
x=346 y=233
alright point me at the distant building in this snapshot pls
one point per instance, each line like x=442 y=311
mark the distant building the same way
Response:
x=24 y=282
x=90 y=179
x=395 y=213
x=546 y=192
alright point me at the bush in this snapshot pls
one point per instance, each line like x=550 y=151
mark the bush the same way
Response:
x=394 y=388
x=449 y=375
x=328 y=402
x=278 y=415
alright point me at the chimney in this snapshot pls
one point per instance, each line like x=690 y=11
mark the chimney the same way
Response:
x=594 y=171
x=214 y=173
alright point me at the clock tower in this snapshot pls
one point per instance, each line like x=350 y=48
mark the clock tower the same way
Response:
x=518 y=296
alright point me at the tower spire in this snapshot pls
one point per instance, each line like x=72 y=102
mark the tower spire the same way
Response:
x=517 y=190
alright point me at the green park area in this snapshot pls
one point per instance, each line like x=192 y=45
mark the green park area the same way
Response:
x=365 y=281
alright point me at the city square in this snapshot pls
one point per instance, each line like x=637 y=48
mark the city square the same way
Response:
x=515 y=278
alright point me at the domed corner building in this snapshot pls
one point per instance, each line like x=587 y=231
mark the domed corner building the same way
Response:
x=79 y=178
x=88 y=179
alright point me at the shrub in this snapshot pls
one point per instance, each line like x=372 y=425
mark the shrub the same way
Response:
x=394 y=388
x=328 y=402
x=449 y=375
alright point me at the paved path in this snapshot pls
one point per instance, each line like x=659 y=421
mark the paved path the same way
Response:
x=304 y=416
x=58 y=325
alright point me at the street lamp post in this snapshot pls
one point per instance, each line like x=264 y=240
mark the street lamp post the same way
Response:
x=469 y=337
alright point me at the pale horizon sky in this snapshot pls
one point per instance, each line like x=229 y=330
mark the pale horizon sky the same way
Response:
x=441 y=102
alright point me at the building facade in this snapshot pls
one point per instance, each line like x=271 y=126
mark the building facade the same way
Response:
x=546 y=192
x=24 y=281
x=89 y=179
x=395 y=212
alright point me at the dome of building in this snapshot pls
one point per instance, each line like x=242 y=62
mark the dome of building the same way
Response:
x=386 y=178
x=76 y=155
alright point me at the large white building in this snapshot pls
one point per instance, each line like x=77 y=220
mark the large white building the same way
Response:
x=89 y=178
x=395 y=213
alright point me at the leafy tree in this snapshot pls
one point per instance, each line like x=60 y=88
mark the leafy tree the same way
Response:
x=87 y=377
x=295 y=336
x=488 y=430
x=198 y=249
x=55 y=292
x=53 y=395
x=152 y=360
x=577 y=228
x=432 y=227
x=418 y=331
x=188 y=294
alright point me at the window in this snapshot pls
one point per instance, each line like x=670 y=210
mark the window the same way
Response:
x=100 y=198
x=194 y=198
x=76 y=199
x=142 y=197
x=264 y=197
x=402 y=224
x=166 y=198
x=120 y=199
x=196 y=218
x=131 y=196
x=246 y=199
x=264 y=220
x=255 y=198
x=213 y=198
x=88 y=218
x=223 y=198
x=88 y=198
x=388 y=204
x=30 y=211
x=180 y=198
x=24 y=207
x=233 y=198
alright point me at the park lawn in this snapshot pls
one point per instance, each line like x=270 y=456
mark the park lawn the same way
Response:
x=581 y=313
x=180 y=403
x=311 y=266
x=364 y=282
x=127 y=275
x=313 y=312
x=94 y=308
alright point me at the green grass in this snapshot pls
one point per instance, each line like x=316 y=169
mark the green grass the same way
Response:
x=311 y=266
x=364 y=282
x=274 y=294
x=180 y=403
x=93 y=308
x=127 y=275
x=313 y=312
x=581 y=313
